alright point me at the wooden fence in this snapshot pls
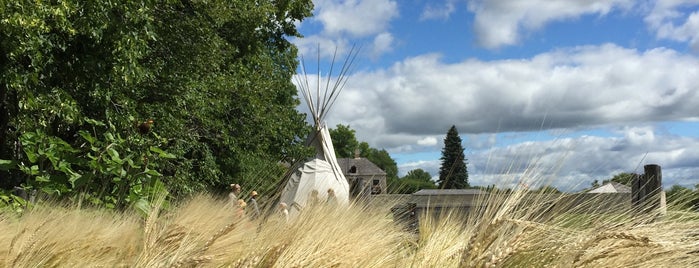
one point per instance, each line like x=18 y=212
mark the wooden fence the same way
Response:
x=646 y=196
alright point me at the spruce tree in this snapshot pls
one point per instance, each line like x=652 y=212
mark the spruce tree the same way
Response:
x=453 y=173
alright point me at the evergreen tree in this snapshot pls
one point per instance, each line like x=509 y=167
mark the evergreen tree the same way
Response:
x=453 y=173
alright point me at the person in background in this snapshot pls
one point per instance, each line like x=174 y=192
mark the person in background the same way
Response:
x=240 y=211
x=255 y=212
x=284 y=211
x=332 y=199
x=313 y=200
x=233 y=195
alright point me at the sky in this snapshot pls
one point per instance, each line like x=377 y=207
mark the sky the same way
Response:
x=562 y=92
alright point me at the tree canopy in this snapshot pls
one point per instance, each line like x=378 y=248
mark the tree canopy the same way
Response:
x=453 y=173
x=415 y=180
x=345 y=142
x=117 y=100
x=624 y=178
x=682 y=197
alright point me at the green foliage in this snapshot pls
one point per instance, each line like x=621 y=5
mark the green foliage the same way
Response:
x=547 y=189
x=414 y=181
x=78 y=80
x=112 y=171
x=453 y=173
x=383 y=160
x=344 y=141
x=623 y=178
x=682 y=198
x=12 y=202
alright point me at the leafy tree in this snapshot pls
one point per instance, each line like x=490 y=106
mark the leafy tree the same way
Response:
x=682 y=198
x=344 y=141
x=547 y=189
x=623 y=178
x=419 y=175
x=383 y=160
x=79 y=78
x=415 y=180
x=453 y=173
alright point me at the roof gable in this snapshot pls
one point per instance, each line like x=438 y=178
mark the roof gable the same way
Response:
x=363 y=165
x=612 y=187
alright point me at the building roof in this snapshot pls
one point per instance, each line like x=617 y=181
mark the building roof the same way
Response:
x=448 y=192
x=363 y=166
x=612 y=187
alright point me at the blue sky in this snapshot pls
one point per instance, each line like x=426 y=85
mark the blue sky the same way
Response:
x=563 y=92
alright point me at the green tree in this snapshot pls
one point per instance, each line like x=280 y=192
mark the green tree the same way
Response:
x=547 y=189
x=453 y=173
x=77 y=78
x=623 y=178
x=344 y=141
x=415 y=180
x=682 y=198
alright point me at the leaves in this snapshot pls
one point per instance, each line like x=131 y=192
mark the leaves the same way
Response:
x=78 y=77
x=7 y=164
x=162 y=153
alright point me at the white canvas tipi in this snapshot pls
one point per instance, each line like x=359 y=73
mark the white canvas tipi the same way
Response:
x=321 y=173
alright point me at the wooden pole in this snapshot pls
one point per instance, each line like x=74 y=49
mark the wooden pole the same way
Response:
x=653 y=186
x=637 y=191
x=646 y=189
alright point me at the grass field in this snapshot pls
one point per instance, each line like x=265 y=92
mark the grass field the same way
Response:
x=204 y=232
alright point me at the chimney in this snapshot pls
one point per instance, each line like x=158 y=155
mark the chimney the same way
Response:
x=356 y=153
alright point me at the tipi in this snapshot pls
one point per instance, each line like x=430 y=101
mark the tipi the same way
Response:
x=313 y=178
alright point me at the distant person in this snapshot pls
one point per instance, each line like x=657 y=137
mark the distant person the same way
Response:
x=313 y=200
x=233 y=195
x=240 y=211
x=255 y=213
x=284 y=211
x=332 y=199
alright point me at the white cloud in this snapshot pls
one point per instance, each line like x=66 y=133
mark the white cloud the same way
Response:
x=639 y=136
x=431 y=166
x=438 y=10
x=415 y=101
x=365 y=22
x=309 y=47
x=427 y=141
x=573 y=163
x=358 y=18
x=500 y=22
x=674 y=20
x=382 y=43
x=568 y=89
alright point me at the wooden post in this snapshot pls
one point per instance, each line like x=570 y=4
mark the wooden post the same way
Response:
x=653 y=185
x=637 y=192
x=646 y=189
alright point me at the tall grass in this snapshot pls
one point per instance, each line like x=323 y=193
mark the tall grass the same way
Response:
x=512 y=230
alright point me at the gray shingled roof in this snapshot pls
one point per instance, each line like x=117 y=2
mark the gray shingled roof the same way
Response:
x=364 y=166
x=448 y=192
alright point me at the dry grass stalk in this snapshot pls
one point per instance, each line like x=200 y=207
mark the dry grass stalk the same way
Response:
x=203 y=232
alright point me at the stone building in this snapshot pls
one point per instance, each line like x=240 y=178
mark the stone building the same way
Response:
x=364 y=177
